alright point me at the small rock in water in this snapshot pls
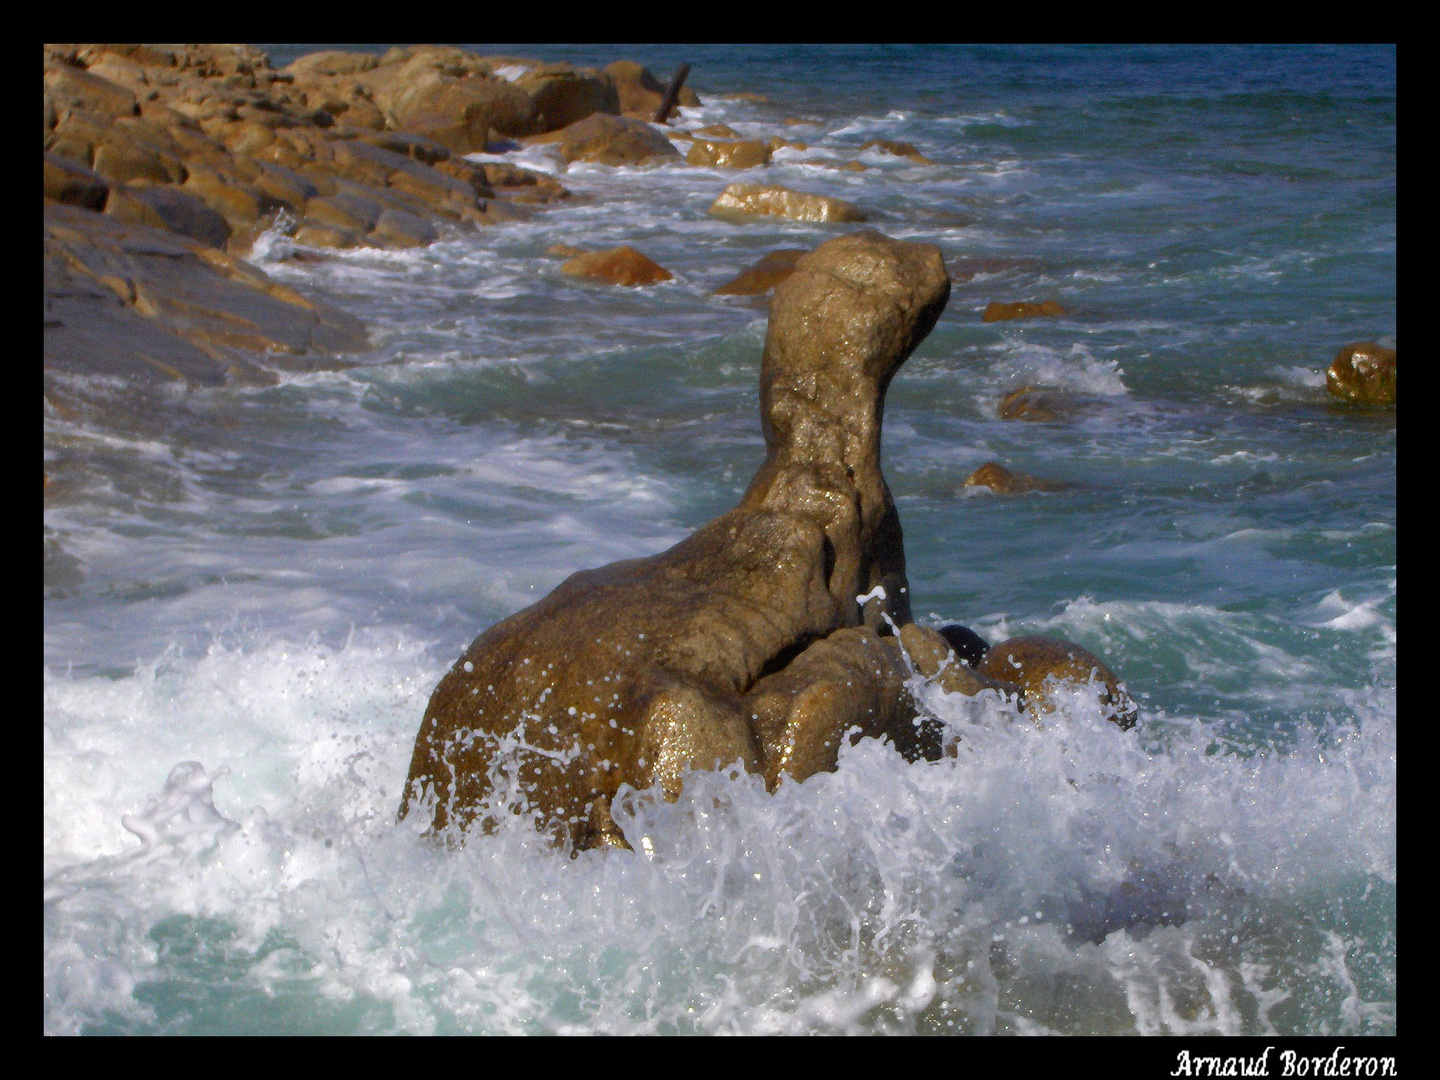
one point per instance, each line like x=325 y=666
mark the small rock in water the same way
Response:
x=1024 y=309
x=564 y=251
x=728 y=155
x=617 y=266
x=764 y=275
x=1002 y=481
x=1364 y=374
x=1037 y=404
x=899 y=149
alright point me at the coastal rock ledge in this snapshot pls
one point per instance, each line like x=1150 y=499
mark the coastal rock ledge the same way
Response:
x=763 y=639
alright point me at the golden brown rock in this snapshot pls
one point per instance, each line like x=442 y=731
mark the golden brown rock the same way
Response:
x=751 y=200
x=852 y=166
x=1024 y=309
x=764 y=275
x=1002 y=481
x=851 y=679
x=718 y=131
x=618 y=266
x=1363 y=374
x=71 y=87
x=728 y=155
x=640 y=92
x=564 y=251
x=936 y=660
x=636 y=673
x=1041 y=666
x=614 y=140
x=777 y=143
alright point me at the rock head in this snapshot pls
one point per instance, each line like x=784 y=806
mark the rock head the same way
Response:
x=637 y=672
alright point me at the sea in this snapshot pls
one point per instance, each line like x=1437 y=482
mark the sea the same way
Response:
x=250 y=592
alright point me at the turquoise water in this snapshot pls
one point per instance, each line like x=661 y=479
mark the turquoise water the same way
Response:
x=271 y=580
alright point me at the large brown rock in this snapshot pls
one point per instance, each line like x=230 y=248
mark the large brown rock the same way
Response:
x=618 y=266
x=452 y=100
x=764 y=275
x=565 y=94
x=1364 y=374
x=614 y=140
x=1038 y=405
x=638 y=672
x=71 y=87
x=728 y=155
x=1042 y=667
x=741 y=201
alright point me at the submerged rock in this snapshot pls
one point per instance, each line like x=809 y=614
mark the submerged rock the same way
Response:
x=899 y=149
x=1040 y=666
x=617 y=266
x=1024 y=309
x=1002 y=481
x=637 y=672
x=1038 y=404
x=752 y=200
x=1364 y=374
x=764 y=275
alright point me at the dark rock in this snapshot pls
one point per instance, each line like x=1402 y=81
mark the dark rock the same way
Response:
x=968 y=645
x=69 y=182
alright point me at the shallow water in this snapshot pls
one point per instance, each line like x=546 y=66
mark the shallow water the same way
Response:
x=271 y=580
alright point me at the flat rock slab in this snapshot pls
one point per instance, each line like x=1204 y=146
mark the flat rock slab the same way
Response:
x=741 y=201
x=126 y=299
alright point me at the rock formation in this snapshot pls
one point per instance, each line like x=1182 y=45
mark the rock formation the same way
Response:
x=761 y=639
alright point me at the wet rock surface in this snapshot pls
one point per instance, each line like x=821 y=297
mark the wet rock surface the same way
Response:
x=740 y=201
x=1363 y=374
x=638 y=672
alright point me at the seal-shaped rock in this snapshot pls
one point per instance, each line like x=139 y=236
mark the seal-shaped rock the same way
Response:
x=638 y=672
